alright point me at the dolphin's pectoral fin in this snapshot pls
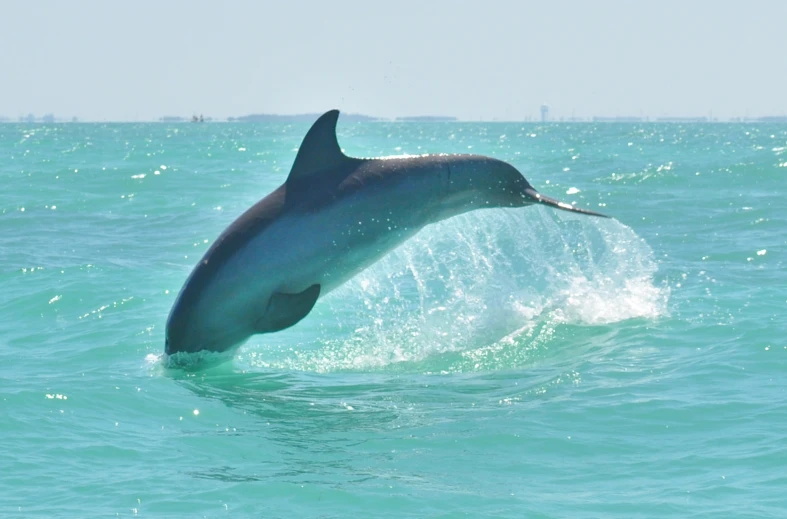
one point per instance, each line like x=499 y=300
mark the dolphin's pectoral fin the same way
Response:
x=285 y=310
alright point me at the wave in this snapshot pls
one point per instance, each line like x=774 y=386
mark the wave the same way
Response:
x=487 y=285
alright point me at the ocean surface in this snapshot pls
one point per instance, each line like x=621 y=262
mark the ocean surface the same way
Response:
x=501 y=364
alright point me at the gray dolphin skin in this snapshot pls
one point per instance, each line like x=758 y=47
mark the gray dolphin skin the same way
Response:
x=333 y=217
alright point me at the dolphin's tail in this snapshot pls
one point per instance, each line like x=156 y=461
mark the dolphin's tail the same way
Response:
x=551 y=202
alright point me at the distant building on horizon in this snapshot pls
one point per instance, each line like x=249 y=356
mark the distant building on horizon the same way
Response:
x=46 y=118
x=544 y=113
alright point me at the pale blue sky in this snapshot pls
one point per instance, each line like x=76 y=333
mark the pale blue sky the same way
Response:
x=111 y=60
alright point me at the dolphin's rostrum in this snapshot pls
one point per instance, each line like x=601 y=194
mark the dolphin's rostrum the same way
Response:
x=333 y=217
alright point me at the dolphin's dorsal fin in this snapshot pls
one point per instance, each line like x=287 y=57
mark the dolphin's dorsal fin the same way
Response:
x=319 y=150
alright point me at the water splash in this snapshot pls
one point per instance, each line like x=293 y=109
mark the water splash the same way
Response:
x=197 y=361
x=471 y=290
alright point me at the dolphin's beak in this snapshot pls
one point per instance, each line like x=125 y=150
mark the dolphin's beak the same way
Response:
x=551 y=202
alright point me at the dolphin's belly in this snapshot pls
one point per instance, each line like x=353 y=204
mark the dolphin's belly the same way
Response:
x=325 y=247
x=331 y=249
x=345 y=257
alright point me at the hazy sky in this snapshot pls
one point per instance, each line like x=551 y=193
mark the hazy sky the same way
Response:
x=112 y=60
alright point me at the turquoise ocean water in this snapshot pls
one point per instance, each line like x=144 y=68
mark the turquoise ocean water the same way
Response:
x=503 y=363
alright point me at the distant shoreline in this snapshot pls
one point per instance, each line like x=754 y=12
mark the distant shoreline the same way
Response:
x=355 y=118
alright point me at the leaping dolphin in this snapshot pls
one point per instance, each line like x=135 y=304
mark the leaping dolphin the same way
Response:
x=334 y=216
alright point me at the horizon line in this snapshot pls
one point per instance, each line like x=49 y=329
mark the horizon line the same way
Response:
x=359 y=117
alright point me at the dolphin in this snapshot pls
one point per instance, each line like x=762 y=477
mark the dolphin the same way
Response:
x=333 y=217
